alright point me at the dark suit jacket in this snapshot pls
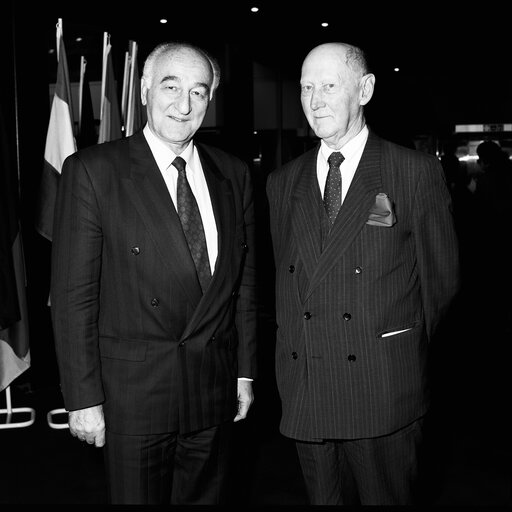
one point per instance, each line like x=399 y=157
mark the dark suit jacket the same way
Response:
x=338 y=376
x=132 y=329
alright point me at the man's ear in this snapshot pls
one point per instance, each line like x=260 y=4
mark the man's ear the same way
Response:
x=143 y=91
x=367 y=85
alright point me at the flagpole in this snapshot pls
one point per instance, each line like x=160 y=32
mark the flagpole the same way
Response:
x=83 y=64
x=104 y=72
x=58 y=35
x=130 y=112
x=9 y=410
x=124 y=95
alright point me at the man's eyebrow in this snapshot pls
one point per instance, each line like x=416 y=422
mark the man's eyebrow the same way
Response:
x=168 y=78
x=174 y=78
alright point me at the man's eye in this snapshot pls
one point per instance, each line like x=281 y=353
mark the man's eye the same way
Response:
x=329 y=87
x=306 y=89
x=198 y=93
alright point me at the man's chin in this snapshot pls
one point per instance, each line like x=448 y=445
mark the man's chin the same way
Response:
x=322 y=133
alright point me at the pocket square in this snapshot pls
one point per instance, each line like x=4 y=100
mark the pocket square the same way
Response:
x=381 y=213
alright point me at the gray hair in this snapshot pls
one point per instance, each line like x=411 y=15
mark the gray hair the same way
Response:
x=172 y=46
x=356 y=59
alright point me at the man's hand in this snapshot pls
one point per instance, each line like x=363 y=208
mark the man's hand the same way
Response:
x=245 y=398
x=88 y=425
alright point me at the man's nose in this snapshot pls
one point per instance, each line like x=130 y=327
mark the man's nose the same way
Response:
x=317 y=100
x=183 y=104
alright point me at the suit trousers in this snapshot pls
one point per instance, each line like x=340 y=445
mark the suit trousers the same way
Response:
x=374 y=471
x=178 y=469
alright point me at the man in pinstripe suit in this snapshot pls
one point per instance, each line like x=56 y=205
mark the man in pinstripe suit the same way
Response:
x=153 y=364
x=360 y=290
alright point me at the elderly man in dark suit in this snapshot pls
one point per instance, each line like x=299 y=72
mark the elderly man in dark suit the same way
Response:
x=366 y=266
x=152 y=289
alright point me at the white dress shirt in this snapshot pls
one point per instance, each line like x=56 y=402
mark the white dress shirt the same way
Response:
x=352 y=151
x=164 y=157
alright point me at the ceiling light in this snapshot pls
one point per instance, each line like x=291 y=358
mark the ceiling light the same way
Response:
x=325 y=24
x=254 y=9
x=163 y=20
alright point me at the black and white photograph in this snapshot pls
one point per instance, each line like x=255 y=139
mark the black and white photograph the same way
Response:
x=256 y=255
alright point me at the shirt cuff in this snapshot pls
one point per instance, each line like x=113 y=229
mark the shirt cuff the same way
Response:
x=245 y=378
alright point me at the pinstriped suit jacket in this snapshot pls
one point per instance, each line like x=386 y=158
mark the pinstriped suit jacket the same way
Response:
x=338 y=376
x=132 y=330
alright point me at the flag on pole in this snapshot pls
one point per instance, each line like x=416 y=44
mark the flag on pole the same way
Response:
x=110 y=117
x=135 y=111
x=60 y=141
x=14 y=334
x=124 y=94
x=86 y=130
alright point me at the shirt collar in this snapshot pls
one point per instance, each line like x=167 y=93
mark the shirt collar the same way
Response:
x=350 y=149
x=164 y=156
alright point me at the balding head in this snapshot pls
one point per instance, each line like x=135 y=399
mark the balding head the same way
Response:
x=350 y=55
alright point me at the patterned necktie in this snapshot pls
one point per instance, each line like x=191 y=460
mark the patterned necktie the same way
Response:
x=192 y=224
x=332 y=192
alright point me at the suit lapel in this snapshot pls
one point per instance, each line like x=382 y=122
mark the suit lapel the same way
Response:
x=354 y=211
x=146 y=187
x=221 y=196
x=306 y=203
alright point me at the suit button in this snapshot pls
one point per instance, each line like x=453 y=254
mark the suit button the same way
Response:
x=243 y=245
x=307 y=315
x=347 y=316
x=358 y=270
x=351 y=358
x=155 y=303
x=181 y=344
x=294 y=355
x=291 y=269
x=135 y=251
x=212 y=338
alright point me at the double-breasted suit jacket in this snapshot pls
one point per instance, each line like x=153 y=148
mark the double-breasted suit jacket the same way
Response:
x=132 y=330
x=339 y=375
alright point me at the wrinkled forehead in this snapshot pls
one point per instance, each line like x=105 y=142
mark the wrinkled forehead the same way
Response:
x=184 y=61
x=326 y=61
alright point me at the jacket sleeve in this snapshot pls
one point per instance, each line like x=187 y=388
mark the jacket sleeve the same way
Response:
x=74 y=289
x=436 y=244
x=246 y=309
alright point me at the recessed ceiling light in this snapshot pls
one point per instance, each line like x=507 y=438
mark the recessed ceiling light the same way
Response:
x=163 y=20
x=325 y=24
x=78 y=39
x=254 y=9
x=396 y=69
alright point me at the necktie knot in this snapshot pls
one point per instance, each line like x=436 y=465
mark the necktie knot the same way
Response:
x=179 y=163
x=335 y=159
